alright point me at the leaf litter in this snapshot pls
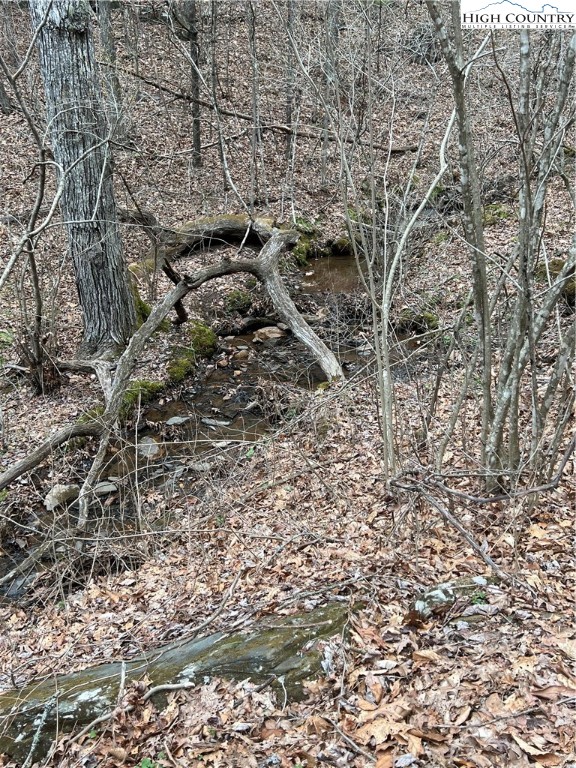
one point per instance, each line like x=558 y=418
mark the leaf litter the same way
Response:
x=487 y=680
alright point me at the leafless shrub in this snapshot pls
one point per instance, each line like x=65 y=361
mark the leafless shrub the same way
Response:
x=422 y=44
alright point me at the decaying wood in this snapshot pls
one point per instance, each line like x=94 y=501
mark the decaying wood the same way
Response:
x=265 y=267
x=267 y=270
x=169 y=243
x=212 y=231
x=31 y=718
x=200 y=234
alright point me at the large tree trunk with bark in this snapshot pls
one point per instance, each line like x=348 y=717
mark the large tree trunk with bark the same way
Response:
x=79 y=139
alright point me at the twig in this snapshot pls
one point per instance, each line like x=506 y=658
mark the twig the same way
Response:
x=29 y=561
x=169 y=754
x=551 y=485
x=321 y=590
x=44 y=450
x=122 y=683
x=167 y=687
x=211 y=618
x=49 y=704
x=269 y=484
x=349 y=741
x=469 y=538
x=280 y=127
x=236 y=703
x=449 y=517
x=97 y=721
x=521 y=713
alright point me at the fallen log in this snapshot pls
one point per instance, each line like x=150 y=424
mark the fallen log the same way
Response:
x=212 y=231
x=286 y=649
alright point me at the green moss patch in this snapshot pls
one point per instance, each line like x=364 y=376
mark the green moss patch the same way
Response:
x=93 y=414
x=494 y=213
x=412 y=322
x=182 y=364
x=440 y=237
x=238 y=301
x=303 y=251
x=203 y=339
x=143 y=309
x=202 y=343
x=305 y=227
x=139 y=392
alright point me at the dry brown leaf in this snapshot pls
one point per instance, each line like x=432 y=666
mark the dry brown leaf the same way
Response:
x=395 y=710
x=386 y=759
x=371 y=634
x=380 y=730
x=426 y=655
x=553 y=692
x=525 y=747
x=414 y=744
x=463 y=715
x=316 y=724
x=495 y=705
x=550 y=759
x=537 y=531
x=375 y=687
x=568 y=647
x=368 y=706
x=434 y=736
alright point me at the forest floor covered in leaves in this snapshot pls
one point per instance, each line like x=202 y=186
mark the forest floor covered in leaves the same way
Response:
x=489 y=681
x=303 y=517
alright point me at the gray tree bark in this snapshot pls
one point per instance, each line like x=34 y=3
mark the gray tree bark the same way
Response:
x=116 y=111
x=5 y=104
x=453 y=51
x=77 y=126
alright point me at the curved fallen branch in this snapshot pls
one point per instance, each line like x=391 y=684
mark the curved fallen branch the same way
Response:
x=265 y=268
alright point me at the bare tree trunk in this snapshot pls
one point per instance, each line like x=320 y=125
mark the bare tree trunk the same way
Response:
x=290 y=77
x=473 y=227
x=330 y=77
x=5 y=104
x=132 y=34
x=187 y=17
x=256 y=135
x=193 y=18
x=540 y=135
x=80 y=146
x=214 y=87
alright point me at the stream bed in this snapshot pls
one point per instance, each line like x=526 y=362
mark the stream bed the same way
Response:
x=175 y=444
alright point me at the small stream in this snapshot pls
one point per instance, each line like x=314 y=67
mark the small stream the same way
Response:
x=334 y=274
x=228 y=405
x=176 y=444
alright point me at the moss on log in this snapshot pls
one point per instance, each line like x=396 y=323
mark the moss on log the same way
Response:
x=31 y=718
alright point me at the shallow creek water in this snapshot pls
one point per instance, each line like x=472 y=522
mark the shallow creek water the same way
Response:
x=225 y=407
x=176 y=442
